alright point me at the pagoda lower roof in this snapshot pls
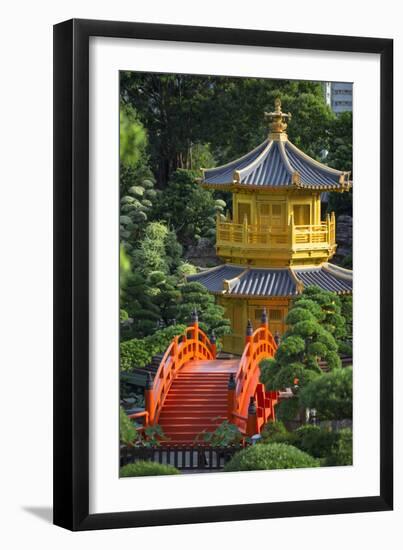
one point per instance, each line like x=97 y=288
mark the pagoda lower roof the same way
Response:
x=278 y=164
x=240 y=281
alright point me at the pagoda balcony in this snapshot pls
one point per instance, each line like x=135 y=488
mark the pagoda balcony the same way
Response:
x=276 y=245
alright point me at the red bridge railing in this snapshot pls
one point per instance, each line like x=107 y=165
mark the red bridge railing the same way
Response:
x=194 y=344
x=249 y=405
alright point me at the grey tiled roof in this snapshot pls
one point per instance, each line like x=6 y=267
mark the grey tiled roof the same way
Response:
x=324 y=279
x=265 y=282
x=232 y=280
x=275 y=164
x=213 y=279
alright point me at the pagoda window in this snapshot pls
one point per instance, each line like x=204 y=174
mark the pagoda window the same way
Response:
x=275 y=315
x=244 y=210
x=302 y=214
x=271 y=214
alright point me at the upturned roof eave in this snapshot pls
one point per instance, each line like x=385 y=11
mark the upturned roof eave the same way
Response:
x=278 y=187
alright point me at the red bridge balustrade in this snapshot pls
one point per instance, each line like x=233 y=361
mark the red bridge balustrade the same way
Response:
x=250 y=406
x=193 y=391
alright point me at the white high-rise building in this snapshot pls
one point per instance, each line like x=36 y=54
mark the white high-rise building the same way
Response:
x=339 y=96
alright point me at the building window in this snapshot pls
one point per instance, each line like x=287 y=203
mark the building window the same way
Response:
x=275 y=315
x=258 y=314
x=302 y=214
x=271 y=214
x=244 y=210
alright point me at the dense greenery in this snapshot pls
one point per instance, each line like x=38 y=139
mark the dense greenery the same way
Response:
x=340 y=156
x=273 y=456
x=138 y=352
x=190 y=118
x=331 y=395
x=145 y=468
x=319 y=327
x=225 y=434
x=332 y=447
x=129 y=435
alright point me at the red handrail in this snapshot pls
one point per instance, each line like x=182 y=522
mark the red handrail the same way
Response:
x=260 y=345
x=194 y=344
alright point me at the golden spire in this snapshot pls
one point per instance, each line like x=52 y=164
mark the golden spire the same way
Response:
x=278 y=121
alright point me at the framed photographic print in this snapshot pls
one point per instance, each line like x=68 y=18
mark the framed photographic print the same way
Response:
x=214 y=192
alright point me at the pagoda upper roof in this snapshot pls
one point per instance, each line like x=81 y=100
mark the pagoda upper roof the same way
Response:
x=277 y=163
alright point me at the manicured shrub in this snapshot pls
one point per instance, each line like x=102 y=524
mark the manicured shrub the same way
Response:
x=145 y=468
x=315 y=440
x=331 y=395
x=287 y=409
x=138 y=352
x=160 y=340
x=276 y=432
x=127 y=430
x=341 y=453
x=273 y=456
x=134 y=353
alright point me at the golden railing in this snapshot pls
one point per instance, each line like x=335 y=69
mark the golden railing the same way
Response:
x=282 y=236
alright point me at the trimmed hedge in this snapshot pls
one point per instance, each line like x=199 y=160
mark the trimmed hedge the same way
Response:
x=272 y=456
x=315 y=440
x=341 y=453
x=145 y=468
x=139 y=352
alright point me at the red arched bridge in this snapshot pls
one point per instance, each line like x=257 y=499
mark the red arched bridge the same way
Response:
x=194 y=391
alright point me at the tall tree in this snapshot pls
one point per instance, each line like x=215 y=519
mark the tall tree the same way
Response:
x=225 y=114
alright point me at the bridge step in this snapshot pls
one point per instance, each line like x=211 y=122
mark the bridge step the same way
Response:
x=197 y=396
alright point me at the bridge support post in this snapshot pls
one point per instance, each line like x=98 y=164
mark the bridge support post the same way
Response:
x=195 y=325
x=231 y=397
x=249 y=336
x=252 y=427
x=265 y=324
x=149 y=399
x=213 y=342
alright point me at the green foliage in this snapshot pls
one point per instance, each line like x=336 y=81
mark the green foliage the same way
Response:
x=145 y=468
x=333 y=448
x=225 y=434
x=312 y=321
x=185 y=269
x=127 y=430
x=151 y=436
x=195 y=296
x=188 y=208
x=315 y=440
x=341 y=453
x=287 y=409
x=143 y=313
x=133 y=137
x=341 y=157
x=273 y=456
x=184 y=113
x=134 y=353
x=139 y=352
x=346 y=303
x=276 y=432
x=331 y=395
x=158 y=251
x=137 y=195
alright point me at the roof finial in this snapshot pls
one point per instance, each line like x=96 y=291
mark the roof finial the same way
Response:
x=278 y=121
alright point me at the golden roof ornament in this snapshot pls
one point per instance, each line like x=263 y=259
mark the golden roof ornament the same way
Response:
x=278 y=121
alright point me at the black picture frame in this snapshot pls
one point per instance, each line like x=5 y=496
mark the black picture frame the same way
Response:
x=71 y=274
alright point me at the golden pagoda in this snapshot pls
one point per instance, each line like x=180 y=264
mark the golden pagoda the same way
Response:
x=276 y=242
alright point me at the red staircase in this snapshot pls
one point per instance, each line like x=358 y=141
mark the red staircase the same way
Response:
x=197 y=400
